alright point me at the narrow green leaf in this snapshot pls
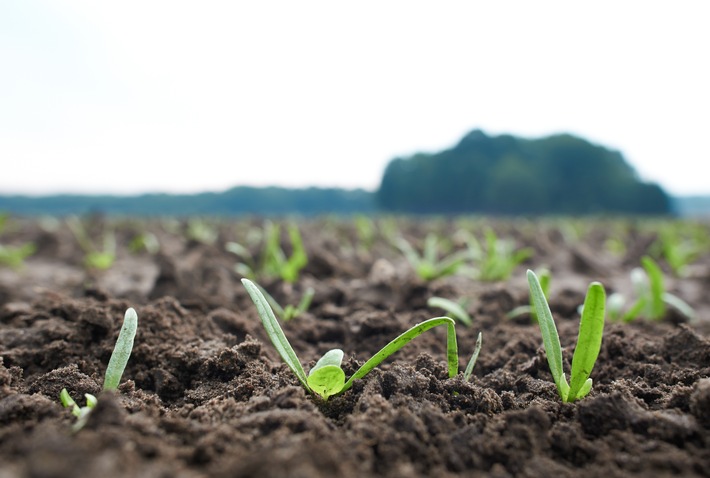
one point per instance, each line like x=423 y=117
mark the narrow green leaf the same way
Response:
x=306 y=300
x=680 y=305
x=589 y=340
x=275 y=333
x=550 y=337
x=474 y=357
x=122 y=350
x=452 y=308
x=406 y=337
x=655 y=277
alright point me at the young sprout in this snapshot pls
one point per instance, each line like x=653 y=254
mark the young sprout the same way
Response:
x=290 y=312
x=589 y=340
x=474 y=357
x=454 y=309
x=327 y=378
x=497 y=260
x=366 y=231
x=652 y=299
x=145 y=241
x=200 y=230
x=94 y=258
x=273 y=260
x=680 y=247
x=428 y=266
x=114 y=370
x=14 y=257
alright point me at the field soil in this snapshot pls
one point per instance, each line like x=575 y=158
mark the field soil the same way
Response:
x=205 y=393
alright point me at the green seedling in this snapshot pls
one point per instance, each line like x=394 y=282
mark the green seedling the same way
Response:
x=652 y=299
x=545 y=277
x=497 y=260
x=453 y=309
x=428 y=265
x=199 y=230
x=589 y=339
x=327 y=378
x=114 y=370
x=14 y=256
x=680 y=248
x=94 y=257
x=273 y=260
x=366 y=231
x=290 y=311
x=144 y=242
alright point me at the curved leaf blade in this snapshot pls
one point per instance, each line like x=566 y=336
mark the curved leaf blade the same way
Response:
x=275 y=333
x=550 y=337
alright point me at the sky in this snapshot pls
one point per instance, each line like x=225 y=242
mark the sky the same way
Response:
x=109 y=97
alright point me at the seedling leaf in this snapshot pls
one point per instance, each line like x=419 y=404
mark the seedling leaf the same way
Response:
x=452 y=308
x=589 y=340
x=474 y=357
x=550 y=337
x=275 y=333
x=406 y=337
x=326 y=378
x=122 y=350
x=655 y=277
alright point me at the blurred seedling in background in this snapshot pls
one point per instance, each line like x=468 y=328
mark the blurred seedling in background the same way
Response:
x=430 y=264
x=544 y=277
x=680 y=246
x=273 y=261
x=589 y=339
x=366 y=232
x=114 y=370
x=327 y=378
x=95 y=258
x=144 y=242
x=455 y=310
x=13 y=256
x=496 y=260
x=202 y=231
x=652 y=299
x=290 y=311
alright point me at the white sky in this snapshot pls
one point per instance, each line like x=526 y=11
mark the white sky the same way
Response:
x=188 y=96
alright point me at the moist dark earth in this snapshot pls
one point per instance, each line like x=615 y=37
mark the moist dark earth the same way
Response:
x=206 y=394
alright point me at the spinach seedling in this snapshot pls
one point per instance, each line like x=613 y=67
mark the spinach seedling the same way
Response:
x=497 y=260
x=327 y=378
x=428 y=265
x=14 y=256
x=273 y=261
x=680 y=247
x=652 y=299
x=114 y=370
x=94 y=257
x=589 y=340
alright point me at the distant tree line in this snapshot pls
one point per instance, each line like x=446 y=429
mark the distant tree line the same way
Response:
x=240 y=200
x=482 y=174
x=560 y=174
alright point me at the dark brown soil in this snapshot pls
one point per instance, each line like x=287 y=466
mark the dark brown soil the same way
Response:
x=205 y=393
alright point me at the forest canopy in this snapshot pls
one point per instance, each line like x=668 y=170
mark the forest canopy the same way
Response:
x=560 y=174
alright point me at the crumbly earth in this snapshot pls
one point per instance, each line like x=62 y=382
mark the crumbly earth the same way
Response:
x=205 y=393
